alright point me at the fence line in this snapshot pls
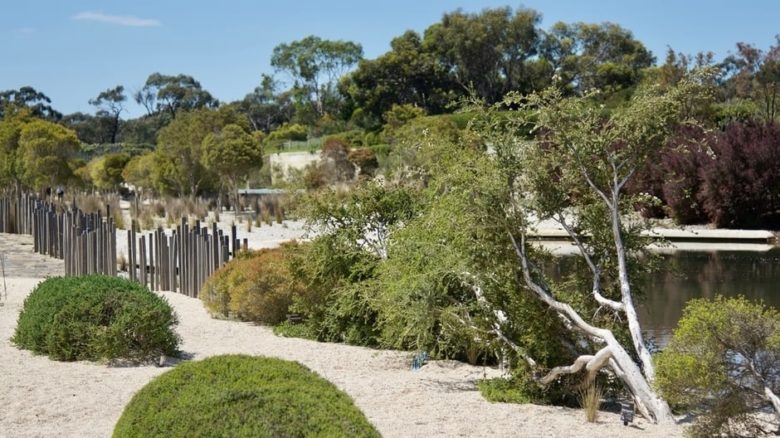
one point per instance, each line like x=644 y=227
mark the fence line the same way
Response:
x=179 y=261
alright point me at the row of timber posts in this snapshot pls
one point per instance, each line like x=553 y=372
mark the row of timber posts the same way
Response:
x=182 y=260
x=86 y=242
x=16 y=214
x=179 y=261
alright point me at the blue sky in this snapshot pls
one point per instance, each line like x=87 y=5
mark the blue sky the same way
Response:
x=72 y=50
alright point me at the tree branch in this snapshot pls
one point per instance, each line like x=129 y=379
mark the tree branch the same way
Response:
x=604 y=301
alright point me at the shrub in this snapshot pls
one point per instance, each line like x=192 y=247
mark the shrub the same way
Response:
x=740 y=181
x=365 y=161
x=681 y=183
x=522 y=388
x=96 y=317
x=241 y=396
x=293 y=132
x=723 y=359
x=256 y=286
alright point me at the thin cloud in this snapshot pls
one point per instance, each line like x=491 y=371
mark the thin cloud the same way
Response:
x=121 y=20
x=26 y=30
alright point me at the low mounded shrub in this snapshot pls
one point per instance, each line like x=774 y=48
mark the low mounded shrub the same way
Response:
x=241 y=396
x=96 y=317
x=256 y=286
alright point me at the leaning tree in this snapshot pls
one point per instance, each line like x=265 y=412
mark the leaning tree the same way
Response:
x=568 y=160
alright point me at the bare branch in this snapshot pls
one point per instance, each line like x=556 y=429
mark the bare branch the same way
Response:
x=602 y=300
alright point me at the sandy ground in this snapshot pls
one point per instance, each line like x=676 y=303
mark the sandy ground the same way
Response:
x=42 y=398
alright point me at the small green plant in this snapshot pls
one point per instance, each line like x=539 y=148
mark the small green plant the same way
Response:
x=95 y=318
x=242 y=396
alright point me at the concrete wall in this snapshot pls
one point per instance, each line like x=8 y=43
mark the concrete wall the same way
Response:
x=282 y=163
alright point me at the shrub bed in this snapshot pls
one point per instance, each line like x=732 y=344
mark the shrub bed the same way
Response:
x=256 y=286
x=239 y=395
x=94 y=318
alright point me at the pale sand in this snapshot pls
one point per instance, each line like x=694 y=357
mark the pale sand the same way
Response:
x=40 y=397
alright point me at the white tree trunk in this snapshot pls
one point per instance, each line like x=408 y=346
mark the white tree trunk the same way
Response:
x=649 y=404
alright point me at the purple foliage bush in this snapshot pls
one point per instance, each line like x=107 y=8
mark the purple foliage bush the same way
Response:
x=740 y=180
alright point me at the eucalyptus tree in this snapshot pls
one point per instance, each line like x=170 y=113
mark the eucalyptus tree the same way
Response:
x=315 y=65
x=232 y=153
x=29 y=97
x=166 y=93
x=110 y=104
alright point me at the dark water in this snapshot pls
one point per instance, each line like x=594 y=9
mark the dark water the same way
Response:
x=696 y=274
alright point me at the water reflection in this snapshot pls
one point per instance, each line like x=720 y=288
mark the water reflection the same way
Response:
x=695 y=271
x=696 y=274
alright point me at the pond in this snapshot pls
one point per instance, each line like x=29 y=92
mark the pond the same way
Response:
x=735 y=270
x=696 y=271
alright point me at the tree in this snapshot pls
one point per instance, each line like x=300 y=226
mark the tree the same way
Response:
x=315 y=65
x=757 y=75
x=106 y=172
x=30 y=98
x=232 y=154
x=110 y=105
x=173 y=93
x=407 y=74
x=45 y=150
x=585 y=56
x=265 y=108
x=490 y=52
x=10 y=130
x=574 y=172
x=181 y=143
x=724 y=359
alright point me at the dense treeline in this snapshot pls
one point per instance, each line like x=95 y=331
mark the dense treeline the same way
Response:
x=322 y=88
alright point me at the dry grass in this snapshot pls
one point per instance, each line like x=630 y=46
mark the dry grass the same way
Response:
x=589 y=396
x=121 y=262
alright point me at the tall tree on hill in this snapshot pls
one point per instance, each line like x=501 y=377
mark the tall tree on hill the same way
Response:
x=757 y=76
x=407 y=74
x=266 y=108
x=29 y=97
x=595 y=56
x=110 y=104
x=315 y=65
x=163 y=93
x=490 y=52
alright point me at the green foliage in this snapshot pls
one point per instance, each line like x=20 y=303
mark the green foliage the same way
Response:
x=94 y=318
x=257 y=287
x=232 y=154
x=44 y=151
x=522 y=388
x=241 y=396
x=723 y=356
x=398 y=115
x=106 y=171
x=170 y=94
x=181 y=144
x=315 y=65
x=287 y=132
x=295 y=330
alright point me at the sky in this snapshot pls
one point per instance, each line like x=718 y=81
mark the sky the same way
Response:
x=72 y=50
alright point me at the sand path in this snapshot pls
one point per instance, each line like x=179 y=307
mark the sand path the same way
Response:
x=43 y=398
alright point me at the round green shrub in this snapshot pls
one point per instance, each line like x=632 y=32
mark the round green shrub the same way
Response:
x=241 y=396
x=96 y=317
x=257 y=286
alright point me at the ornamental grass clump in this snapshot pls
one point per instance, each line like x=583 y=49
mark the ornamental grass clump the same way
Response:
x=96 y=318
x=242 y=396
